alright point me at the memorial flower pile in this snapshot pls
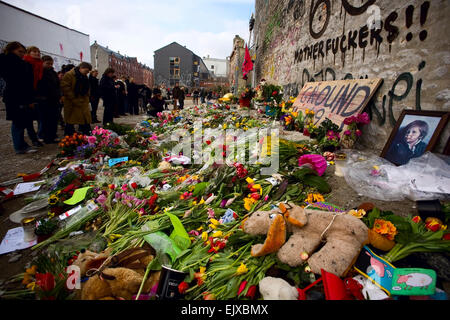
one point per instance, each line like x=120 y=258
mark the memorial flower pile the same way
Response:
x=140 y=193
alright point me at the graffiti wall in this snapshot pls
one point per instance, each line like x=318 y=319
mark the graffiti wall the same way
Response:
x=403 y=42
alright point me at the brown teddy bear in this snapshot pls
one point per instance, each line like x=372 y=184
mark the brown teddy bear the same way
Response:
x=344 y=235
x=115 y=277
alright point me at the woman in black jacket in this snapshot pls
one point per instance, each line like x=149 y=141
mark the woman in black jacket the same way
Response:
x=108 y=93
x=19 y=93
x=48 y=96
x=133 y=97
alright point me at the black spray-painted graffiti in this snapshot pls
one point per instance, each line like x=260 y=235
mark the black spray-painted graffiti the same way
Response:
x=354 y=39
x=393 y=95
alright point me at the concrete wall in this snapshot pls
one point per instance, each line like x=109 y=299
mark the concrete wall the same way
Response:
x=63 y=44
x=220 y=68
x=316 y=40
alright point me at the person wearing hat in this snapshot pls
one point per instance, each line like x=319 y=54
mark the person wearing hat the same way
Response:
x=156 y=103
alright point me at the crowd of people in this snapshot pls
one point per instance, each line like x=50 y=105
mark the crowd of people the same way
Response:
x=36 y=92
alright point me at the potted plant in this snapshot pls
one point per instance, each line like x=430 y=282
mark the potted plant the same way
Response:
x=45 y=229
x=246 y=97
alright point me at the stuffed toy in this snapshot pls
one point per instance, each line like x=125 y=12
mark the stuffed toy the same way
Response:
x=277 y=289
x=344 y=236
x=113 y=277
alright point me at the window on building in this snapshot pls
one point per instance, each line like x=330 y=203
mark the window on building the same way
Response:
x=174 y=67
x=212 y=67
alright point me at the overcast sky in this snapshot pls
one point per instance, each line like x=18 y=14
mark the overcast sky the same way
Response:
x=139 y=27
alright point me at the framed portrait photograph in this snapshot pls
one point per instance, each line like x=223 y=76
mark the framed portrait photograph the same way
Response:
x=414 y=133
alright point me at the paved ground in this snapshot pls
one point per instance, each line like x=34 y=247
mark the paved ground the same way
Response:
x=12 y=164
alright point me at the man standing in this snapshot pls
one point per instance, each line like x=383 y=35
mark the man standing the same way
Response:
x=164 y=95
x=48 y=96
x=94 y=97
x=182 y=97
x=133 y=97
x=176 y=93
x=75 y=87
x=203 y=95
x=108 y=93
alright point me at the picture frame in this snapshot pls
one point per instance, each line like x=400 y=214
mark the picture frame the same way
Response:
x=416 y=132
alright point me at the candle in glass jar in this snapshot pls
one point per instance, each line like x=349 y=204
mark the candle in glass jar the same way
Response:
x=29 y=226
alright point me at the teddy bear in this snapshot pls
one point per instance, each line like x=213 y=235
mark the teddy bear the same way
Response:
x=344 y=236
x=114 y=277
x=277 y=289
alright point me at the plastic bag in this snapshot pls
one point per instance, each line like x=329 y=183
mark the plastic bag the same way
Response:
x=423 y=178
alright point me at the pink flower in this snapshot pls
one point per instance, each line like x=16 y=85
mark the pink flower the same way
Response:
x=358 y=133
x=363 y=118
x=347 y=132
x=92 y=140
x=124 y=187
x=211 y=213
x=350 y=120
x=194 y=233
x=101 y=199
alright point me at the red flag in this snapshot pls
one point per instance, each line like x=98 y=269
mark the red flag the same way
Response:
x=81 y=56
x=247 y=66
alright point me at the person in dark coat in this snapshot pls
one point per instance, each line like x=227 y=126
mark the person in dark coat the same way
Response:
x=133 y=97
x=203 y=95
x=94 y=97
x=156 y=103
x=18 y=94
x=182 y=97
x=108 y=95
x=121 y=96
x=176 y=93
x=48 y=96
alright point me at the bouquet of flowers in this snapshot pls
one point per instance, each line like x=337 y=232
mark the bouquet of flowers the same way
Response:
x=353 y=132
x=69 y=144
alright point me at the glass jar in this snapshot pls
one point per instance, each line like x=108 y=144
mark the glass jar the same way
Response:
x=340 y=162
x=29 y=226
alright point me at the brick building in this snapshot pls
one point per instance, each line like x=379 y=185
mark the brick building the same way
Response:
x=103 y=58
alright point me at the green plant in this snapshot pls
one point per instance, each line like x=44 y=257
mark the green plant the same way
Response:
x=46 y=227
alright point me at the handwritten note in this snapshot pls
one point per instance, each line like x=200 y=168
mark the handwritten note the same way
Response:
x=27 y=187
x=14 y=241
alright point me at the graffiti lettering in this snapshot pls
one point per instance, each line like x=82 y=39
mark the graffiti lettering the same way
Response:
x=356 y=11
x=312 y=13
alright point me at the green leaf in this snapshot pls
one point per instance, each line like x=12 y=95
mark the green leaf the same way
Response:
x=317 y=182
x=179 y=233
x=199 y=188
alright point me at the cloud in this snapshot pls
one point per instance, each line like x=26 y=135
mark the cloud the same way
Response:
x=139 y=27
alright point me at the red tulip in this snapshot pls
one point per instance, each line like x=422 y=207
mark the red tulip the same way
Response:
x=446 y=236
x=416 y=219
x=182 y=287
x=242 y=287
x=45 y=281
x=134 y=185
x=251 y=292
x=256 y=196
x=208 y=142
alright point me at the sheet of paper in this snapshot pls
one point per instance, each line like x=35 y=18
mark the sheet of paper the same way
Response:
x=26 y=187
x=14 y=241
